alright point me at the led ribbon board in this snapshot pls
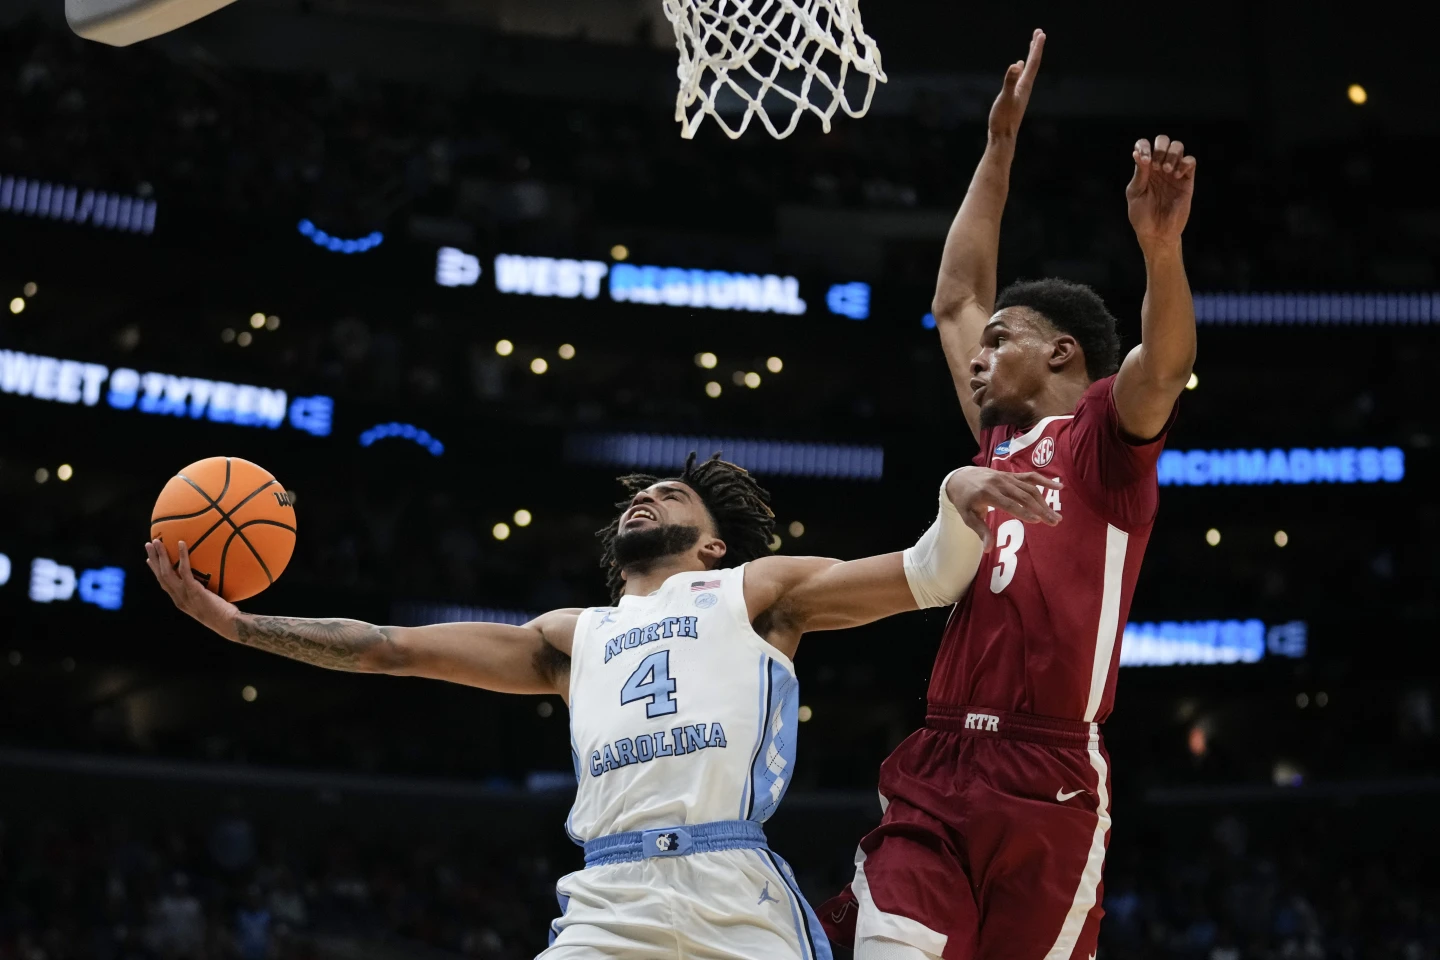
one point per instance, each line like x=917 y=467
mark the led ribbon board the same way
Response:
x=405 y=431
x=705 y=289
x=1337 y=309
x=337 y=244
x=69 y=204
x=1174 y=643
x=52 y=582
x=76 y=382
x=456 y=268
x=1346 y=465
x=424 y=614
x=1307 y=309
x=763 y=457
x=628 y=283
x=547 y=276
x=849 y=300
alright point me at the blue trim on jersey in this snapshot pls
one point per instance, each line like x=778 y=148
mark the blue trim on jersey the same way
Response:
x=684 y=840
x=782 y=725
x=806 y=923
x=747 y=794
x=575 y=759
x=555 y=924
x=807 y=948
x=574 y=837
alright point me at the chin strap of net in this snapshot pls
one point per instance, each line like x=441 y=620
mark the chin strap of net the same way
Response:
x=750 y=49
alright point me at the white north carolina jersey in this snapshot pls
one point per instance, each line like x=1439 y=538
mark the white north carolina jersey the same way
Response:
x=680 y=713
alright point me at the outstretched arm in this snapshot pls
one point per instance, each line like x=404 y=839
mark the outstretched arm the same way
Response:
x=1155 y=372
x=965 y=290
x=534 y=658
x=790 y=596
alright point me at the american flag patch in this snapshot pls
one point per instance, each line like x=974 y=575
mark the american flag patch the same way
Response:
x=699 y=585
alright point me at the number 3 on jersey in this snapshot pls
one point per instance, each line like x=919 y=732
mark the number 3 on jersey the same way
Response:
x=1009 y=538
x=651 y=681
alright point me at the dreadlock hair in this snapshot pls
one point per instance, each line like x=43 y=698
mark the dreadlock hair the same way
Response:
x=738 y=505
x=1075 y=309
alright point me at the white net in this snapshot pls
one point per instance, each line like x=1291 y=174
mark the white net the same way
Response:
x=797 y=54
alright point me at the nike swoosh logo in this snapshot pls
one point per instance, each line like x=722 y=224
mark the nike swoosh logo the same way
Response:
x=1062 y=796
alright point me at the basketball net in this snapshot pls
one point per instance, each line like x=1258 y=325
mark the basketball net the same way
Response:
x=743 y=51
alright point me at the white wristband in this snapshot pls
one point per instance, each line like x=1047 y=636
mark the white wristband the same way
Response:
x=942 y=563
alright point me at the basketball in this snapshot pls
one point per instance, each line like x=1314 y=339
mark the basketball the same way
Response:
x=235 y=518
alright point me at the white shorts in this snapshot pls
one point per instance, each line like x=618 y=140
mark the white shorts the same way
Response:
x=718 y=905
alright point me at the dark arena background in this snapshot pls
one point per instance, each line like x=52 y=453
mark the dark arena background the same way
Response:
x=420 y=260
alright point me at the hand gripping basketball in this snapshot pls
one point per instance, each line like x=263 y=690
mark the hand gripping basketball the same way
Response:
x=189 y=594
x=236 y=520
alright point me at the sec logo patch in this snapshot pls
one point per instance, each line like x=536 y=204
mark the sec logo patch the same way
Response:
x=1044 y=451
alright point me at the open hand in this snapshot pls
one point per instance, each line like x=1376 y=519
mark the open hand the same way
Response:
x=975 y=490
x=188 y=593
x=1159 y=193
x=1009 y=108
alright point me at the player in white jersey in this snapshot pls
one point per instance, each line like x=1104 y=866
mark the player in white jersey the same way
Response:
x=682 y=697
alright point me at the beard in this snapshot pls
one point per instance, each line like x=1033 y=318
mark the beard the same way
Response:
x=638 y=550
x=998 y=414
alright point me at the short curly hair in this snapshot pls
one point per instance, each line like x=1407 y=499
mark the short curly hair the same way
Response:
x=738 y=505
x=1075 y=309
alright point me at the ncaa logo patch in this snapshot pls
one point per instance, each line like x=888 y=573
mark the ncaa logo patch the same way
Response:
x=1003 y=449
x=707 y=600
x=1044 y=452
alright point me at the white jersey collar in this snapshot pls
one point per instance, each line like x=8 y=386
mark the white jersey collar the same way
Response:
x=669 y=580
x=1015 y=444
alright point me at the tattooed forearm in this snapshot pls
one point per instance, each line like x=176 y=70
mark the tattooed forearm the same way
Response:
x=333 y=644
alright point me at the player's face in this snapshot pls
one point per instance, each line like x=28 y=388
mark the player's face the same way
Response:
x=1011 y=367
x=668 y=503
x=666 y=520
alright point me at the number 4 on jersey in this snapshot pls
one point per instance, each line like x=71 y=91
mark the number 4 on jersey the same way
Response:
x=651 y=681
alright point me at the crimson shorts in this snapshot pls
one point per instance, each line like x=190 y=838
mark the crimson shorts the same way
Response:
x=992 y=841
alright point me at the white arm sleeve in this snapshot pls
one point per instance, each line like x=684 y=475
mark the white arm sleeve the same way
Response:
x=944 y=560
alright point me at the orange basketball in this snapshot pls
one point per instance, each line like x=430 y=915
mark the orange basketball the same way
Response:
x=235 y=518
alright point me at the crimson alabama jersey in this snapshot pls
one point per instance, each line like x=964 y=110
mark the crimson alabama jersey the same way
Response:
x=1039 y=630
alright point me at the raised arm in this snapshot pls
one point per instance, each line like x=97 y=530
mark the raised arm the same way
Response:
x=1155 y=372
x=534 y=658
x=965 y=290
x=790 y=596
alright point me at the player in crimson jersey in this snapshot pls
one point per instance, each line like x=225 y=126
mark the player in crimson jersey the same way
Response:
x=997 y=812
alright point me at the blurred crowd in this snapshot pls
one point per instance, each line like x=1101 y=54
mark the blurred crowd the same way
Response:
x=108 y=890
x=1303 y=885
x=1235 y=888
